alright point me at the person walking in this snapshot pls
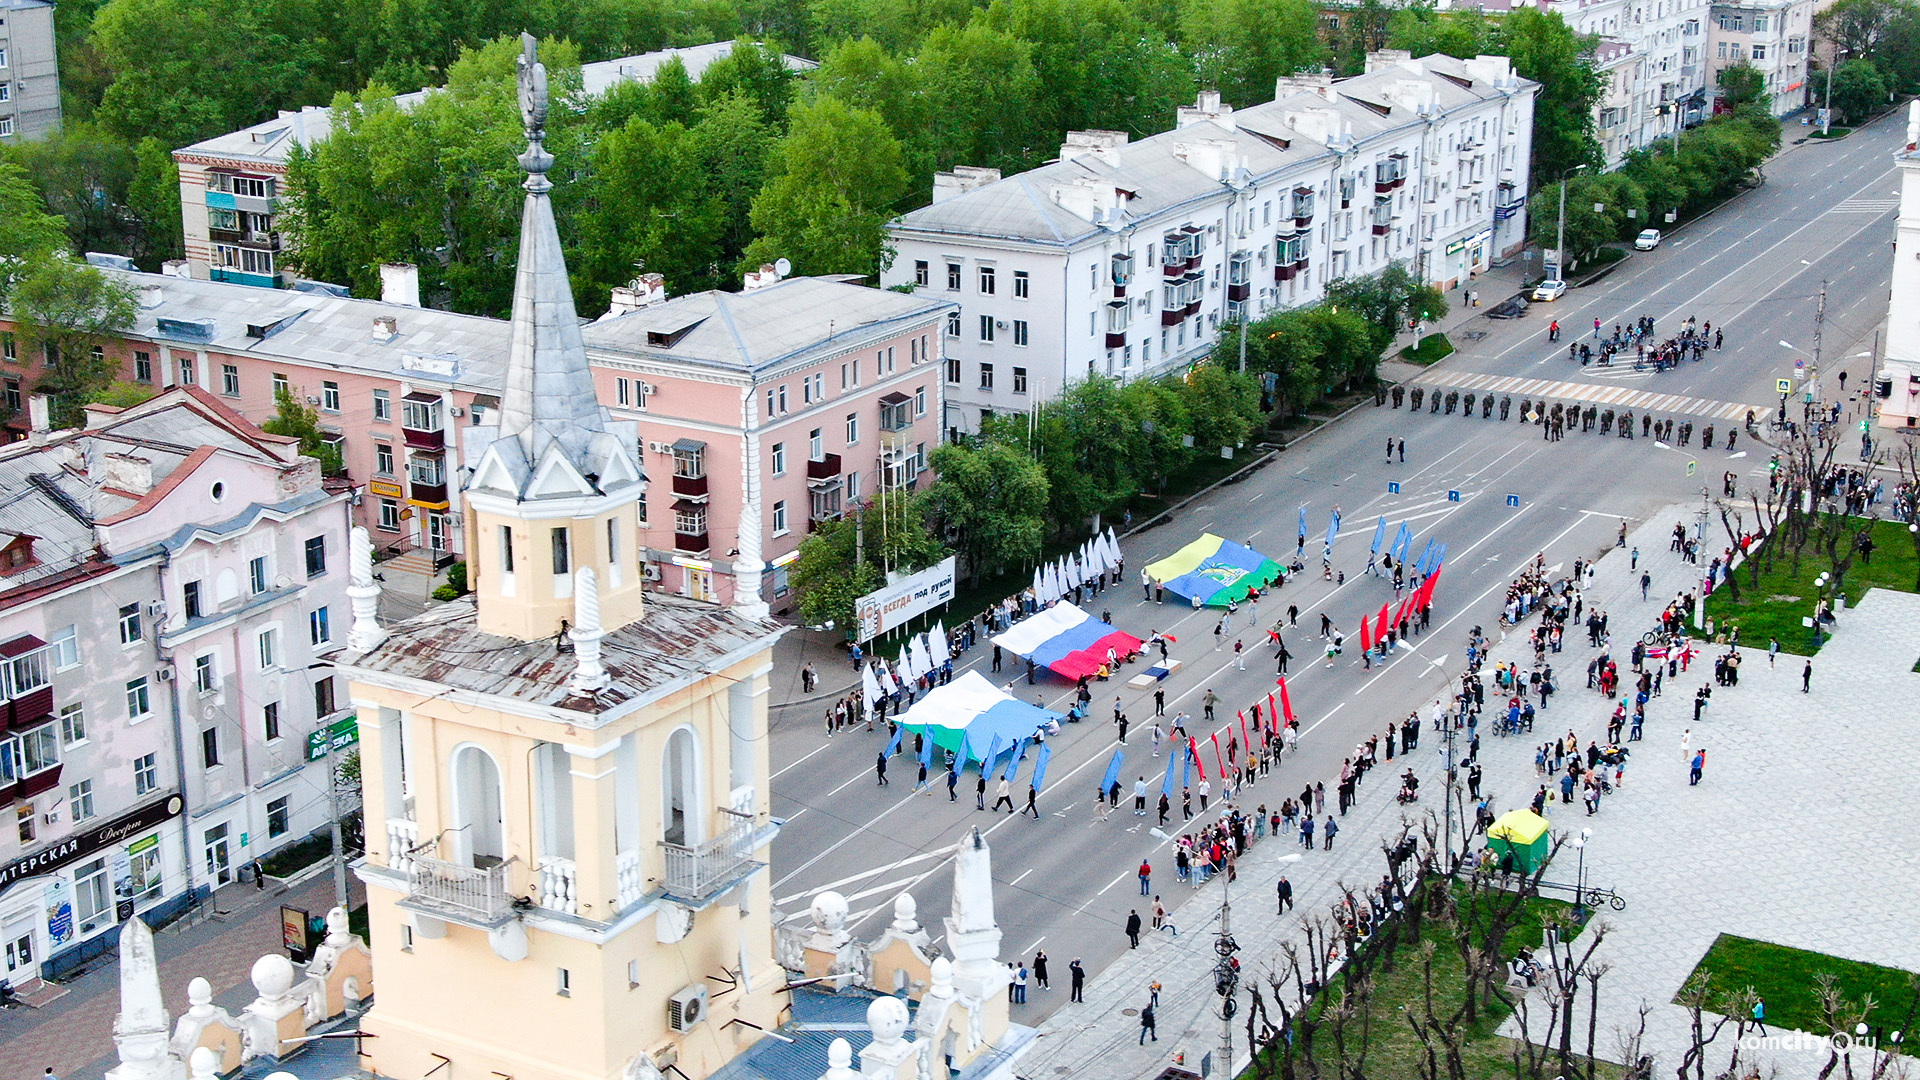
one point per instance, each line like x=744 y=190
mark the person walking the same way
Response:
x=1003 y=793
x=1646 y=579
x=1077 y=981
x=1699 y=766
x=1033 y=793
x=1140 y=797
x=1284 y=890
x=1806 y=677
x=1133 y=929
x=980 y=790
x=1210 y=699
x=1159 y=708
x=1329 y=830
x=1040 y=970
x=1146 y=878
x=1773 y=650
x=1239 y=654
x=1760 y=1014
x=880 y=767
x=1146 y=1026
x=953 y=784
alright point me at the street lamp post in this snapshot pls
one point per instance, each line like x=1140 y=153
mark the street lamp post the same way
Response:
x=1826 y=110
x=1560 y=230
x=1580 y=874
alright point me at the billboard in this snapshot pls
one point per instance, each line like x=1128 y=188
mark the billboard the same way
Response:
x=893 y=605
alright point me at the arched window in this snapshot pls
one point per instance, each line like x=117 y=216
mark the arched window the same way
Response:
x=680 y=789
x=479 y=833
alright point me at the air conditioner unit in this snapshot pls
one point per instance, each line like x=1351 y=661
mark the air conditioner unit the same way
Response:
x=999 y=324
x=687 y=1009
x=647 y=389
x=649 y=572
x=164 y=674
x=313 y=399
x=456 y=411
x=658 y=448
x=156 y=610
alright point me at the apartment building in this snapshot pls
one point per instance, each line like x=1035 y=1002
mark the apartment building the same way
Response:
x=231 y=185
x=1896 y=385
x=29 y=71
x=1653 y=54
x=1772 y=35
x=1151 y=245
x=172 y=582
x=841 y=377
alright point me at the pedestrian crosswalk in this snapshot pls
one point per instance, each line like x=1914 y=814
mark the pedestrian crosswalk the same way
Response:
x=1618 y=397
x=1865 y=206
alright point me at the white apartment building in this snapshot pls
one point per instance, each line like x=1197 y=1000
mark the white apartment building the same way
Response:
x=231 y=185
x=1771 y=35
x=1653 y=53
x=29 y=71
x=172 y=581
x=1123 y=258
x=1896 y=385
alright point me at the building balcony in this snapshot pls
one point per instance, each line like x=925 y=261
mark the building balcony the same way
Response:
x=1173 y=316
x=43 y=781
x=697 y=874
x=30 y=709
x=896 y=444
x=468 y=895
x=690 y=487
x=1283 y=272
x=423 y=438
x=1239 y=290
x=1382 y=228
x=691 y=543
x=428 y=496
x=1300 y=263
x=823 y=472
x=1116 y=341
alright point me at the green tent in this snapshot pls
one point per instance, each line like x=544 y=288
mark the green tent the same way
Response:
x=1519 y=840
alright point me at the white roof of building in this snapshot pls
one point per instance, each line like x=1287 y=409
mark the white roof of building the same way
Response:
x=1153 y=172
x=271 y=141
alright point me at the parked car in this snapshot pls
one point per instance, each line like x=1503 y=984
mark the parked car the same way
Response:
x=1647 y=240
x=1511 y=308
x=1550 y=290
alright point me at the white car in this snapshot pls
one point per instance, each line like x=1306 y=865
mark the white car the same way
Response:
x=1551 y=289
x=1647 y=240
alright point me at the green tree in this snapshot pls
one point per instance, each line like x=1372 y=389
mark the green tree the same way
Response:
x=84 y=172
x=1741 y=84
x=993 y=497
x=28 y=234
x=734 y=146
x=1224 y=404
x=1856 y=26
x=1423 y=30
x=153 y=203
x=1858 y=90
x=893 y=24
x=1242 y=46
x=834 y=179
x=843 y=560
x=652 y=211
x=1100 y=65
x=294 y=419
x=71 y=310
x=756 y=71
x=1545 y=49
x=983 y=100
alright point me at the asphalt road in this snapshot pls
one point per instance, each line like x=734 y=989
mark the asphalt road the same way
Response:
x=1066 y=881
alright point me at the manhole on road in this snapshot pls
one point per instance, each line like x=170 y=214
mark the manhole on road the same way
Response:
x=1129 y=1012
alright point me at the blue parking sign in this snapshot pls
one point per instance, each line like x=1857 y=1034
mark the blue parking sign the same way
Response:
x=1453 y=495
x=1513 y=500
x=1393 y=487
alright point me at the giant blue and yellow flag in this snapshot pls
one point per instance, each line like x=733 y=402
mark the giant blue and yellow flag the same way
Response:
x=1213 y=571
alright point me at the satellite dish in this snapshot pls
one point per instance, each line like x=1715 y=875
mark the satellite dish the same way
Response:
x=782 y=267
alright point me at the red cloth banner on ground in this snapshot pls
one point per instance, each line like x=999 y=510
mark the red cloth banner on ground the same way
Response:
x=1286 y=701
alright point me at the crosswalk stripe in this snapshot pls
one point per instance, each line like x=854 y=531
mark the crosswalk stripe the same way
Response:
x=1608 y=396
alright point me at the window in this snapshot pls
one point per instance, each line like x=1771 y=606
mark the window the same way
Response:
x=279 y=817
x=323 y=697
x=189 y=375
x=257 y=574
x=953 y=324
x=783 y=399
x=73 y=724
x=191 y=591
x=690 y=462
x=206 y=675
x=816 y=446
x=919 y=401
x=780 y=518
x=66 y=647
x=986 y=376
x=562 y=550
x=779 y=459
x=382 y=405
x=853 y=486
x=210 y=748
x=13 y=399
x=953 y=371
x=953 y=277
x=91 y=900
x=230 y=380
x=613 y=540
x=270 y=720
x=986 y=328
x=563 y=984
x=80 y=801
x=318 y=630
x=389 y=515
x=1759 y=51
x=146 y=774
x=690 y=520
x=269 y=647
x=383 y=459
x=281 y=385
x=986 y=281
x=921 y=275
x=1019 y=380
x=818 y=380
x=853 y=429
x=1020 y=284
x=1019 y=331
x=139 y=706
x=506 y=550
x=39 y=750
x=316 y=556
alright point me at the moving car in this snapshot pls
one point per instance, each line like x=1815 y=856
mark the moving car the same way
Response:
x=1647 y=240
x=1550 y=289
x=1511 y=308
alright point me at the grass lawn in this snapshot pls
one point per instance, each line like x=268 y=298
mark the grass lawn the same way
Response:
x=1832 y=133
x=1784 y=598
x=1432 y=349
x=1396 y=1052
x=1784 y=979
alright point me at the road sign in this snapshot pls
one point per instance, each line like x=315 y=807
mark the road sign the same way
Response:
x=1799 y=369
x=1691 y=466
x=1513 y=500
x=1393 y=487
x=1785 y=386
x=1454 y=495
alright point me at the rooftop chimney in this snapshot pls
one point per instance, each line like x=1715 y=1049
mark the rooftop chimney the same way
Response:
x=1207 y=107
x=761 y=278
x=127 y=473
x=963 y=178
x=1386 y=58
x=1318 y=83
x=177 y=268
x=151 y=296
x=643 y=291
x=400 y=284
x=1104 y=145
x=385 y=328
x=39 y=418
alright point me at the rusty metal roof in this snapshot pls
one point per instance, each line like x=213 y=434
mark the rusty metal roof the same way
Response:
x=675 y=641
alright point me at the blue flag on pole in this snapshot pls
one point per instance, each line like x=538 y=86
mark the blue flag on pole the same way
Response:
x=1402 y=541
x=1303 y=519
x=1333 y=527
x=1013 y=760
x=1173 y=762
x=1113 y=772
x=1040 y=765
x=986 y=759
x=1379 y=534
x=894 y=746
x=1186 y=771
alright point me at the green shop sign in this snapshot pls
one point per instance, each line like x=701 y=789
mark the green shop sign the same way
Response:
x=342 y=733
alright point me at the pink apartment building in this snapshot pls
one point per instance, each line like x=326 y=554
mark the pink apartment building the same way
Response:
x=760 y=412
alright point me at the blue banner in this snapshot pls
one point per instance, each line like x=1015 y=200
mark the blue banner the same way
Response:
x=1040 y=766
x=986 y=759
x=898 y=734
x=1333 y=527
x=1379 y=534
x=1303 y=521
x=1173 y=762
x=926 y=748
x=1113 y=772
x=1013 y=760
x=1402 y=541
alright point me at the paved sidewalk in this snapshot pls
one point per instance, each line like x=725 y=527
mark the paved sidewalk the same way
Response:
x=74 y=1035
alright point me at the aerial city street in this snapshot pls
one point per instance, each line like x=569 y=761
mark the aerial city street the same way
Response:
x=1239 y=538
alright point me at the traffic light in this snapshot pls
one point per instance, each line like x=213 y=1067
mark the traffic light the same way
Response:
x=1773 y=464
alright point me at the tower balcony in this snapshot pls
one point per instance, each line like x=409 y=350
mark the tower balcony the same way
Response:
x=467 y=895
x=697 y=874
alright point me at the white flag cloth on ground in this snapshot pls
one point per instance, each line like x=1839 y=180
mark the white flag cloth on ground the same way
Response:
x=937 y=643
x=869 y=689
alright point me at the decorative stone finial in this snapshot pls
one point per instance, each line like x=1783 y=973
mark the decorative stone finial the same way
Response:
x=905 y=915
x=364 y=593
x=533 y=114
x=942 y=972
x=140 y=1030
x=887 y=1017
x=840 y=1061
x=589 y=676
x=272 y=976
